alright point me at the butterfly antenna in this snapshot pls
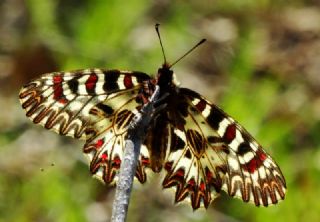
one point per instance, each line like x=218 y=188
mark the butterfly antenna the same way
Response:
x=164 y=55
x=187 y=53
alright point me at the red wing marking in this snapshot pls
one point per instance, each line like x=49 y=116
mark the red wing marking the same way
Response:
x=180 y=173
x=230 y=133
x=168 y=166
x=61 y=101
x=57 y=89
x=145 y=161
x=104 y=156
x=91 y=83
x=201 y=105
x=255 y=163
x=116 y=162
x=202 y=186
x=127 y=81
x=99 y=143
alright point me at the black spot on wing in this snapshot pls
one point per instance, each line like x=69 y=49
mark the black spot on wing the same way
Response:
x=73 y=85
x=141 y=76
x=188 y=154
x=105 y=108
x=111 y=81
x=214 y=139
x=193 y=110
x=243 y=148
x=215 y=117
x=225 y=149
x=177 y=143
x=180 y=144
x=190 y=93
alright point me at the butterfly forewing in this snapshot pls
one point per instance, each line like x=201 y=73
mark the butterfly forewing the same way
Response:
x=61 y=101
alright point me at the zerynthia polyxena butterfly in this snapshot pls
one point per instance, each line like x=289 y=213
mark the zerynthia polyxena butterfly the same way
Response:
x=201 y=148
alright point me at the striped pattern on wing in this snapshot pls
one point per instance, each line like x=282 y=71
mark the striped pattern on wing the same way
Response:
x=106 y=137
x=194 y=166
x=239 y=165
x=196 y=162
x=61 y=101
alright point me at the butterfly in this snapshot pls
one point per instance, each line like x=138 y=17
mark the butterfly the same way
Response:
x=201 y=149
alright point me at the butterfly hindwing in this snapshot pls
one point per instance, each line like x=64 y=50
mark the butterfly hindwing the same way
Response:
x=195 y=163
x=107 y=133
x=61 y=101
x=250 y=173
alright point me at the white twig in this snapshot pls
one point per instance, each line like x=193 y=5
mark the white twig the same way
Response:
x=136 y=134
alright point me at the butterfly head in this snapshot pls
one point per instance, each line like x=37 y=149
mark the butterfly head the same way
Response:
x=165 y=75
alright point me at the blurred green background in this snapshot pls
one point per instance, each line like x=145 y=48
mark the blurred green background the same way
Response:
x=260 y=64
